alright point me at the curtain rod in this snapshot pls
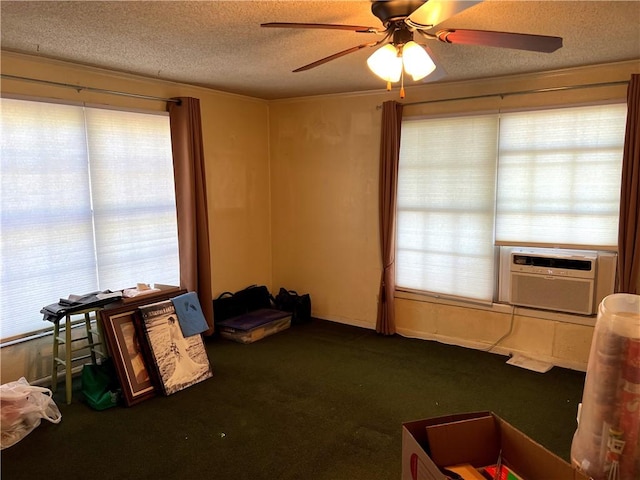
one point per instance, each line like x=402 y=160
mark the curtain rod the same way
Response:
x=521 y=92
x=473 y=97
x=90 y=89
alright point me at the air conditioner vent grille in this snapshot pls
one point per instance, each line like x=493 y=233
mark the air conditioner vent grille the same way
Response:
x=573 y=295
x=553 y=262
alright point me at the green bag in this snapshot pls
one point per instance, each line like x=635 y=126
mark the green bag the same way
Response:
x=100 y=385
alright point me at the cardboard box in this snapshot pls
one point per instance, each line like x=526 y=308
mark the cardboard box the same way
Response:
x=477 y=439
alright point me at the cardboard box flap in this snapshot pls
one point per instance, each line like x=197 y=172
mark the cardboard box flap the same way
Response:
x=474 y=441
x=529 y=459
x=417 y=429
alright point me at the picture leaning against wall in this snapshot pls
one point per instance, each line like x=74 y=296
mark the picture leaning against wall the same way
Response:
x=180 y=361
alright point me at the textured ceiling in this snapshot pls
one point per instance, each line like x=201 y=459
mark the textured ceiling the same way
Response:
x=220 y=44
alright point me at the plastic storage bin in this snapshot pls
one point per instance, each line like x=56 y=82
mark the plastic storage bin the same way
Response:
x=606 y=444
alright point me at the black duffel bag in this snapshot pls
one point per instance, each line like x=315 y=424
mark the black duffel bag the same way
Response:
x=229 y=305
x=298 y=305
x=253 y=298
x=225 y=306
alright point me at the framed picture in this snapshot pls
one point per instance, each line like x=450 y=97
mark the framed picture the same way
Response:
x=119 y=326
x=179 y=361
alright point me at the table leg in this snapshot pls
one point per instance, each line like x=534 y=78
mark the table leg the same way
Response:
x=67 y=352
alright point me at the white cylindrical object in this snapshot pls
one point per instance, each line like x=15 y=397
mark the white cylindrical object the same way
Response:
x=610 y=412
x=606 y=443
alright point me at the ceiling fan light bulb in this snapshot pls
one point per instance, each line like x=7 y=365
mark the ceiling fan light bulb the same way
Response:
x=386 y=63
x=417 y=61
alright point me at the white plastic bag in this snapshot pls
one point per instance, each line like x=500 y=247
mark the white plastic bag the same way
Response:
x=22 y=406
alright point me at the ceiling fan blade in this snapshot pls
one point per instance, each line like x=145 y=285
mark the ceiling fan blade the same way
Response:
x=434 y=12
x=519 y=41
x=326 y=26
x=334 y=56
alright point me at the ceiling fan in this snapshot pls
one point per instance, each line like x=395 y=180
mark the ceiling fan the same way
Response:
x=404 y=18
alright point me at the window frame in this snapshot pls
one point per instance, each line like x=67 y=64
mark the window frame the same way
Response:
x=438 y=296
x=46 y=330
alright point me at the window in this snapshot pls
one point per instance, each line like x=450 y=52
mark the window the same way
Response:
x=88 y=204
x=467 y=184
x=559 y=176
x=446 y=194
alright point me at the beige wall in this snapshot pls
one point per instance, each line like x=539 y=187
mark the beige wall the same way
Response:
x=293 y=200
x=324 y=194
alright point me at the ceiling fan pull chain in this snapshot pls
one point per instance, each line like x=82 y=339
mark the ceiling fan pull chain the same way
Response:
x=402 y=84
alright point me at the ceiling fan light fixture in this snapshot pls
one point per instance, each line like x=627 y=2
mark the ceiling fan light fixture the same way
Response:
x=386 y=63
x=417 y=61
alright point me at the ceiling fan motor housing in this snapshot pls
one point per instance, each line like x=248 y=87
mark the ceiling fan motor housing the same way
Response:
x=402 y=34
x=393 y=10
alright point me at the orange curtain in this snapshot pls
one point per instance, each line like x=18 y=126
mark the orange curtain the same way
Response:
x=191 y=202
x=629 y=226
x=389 y=158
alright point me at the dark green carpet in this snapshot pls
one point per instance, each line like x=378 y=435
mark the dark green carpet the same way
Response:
x=320 y=401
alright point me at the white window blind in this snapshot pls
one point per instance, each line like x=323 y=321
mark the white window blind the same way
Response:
x=559 y=176
x=446 y=194
x=87 y=204
x=133 y=197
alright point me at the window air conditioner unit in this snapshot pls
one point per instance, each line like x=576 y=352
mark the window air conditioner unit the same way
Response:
x=562 y=281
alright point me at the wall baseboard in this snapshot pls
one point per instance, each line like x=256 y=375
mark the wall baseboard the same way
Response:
x=46 y=381
x=349 y=321
x=558 y=362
